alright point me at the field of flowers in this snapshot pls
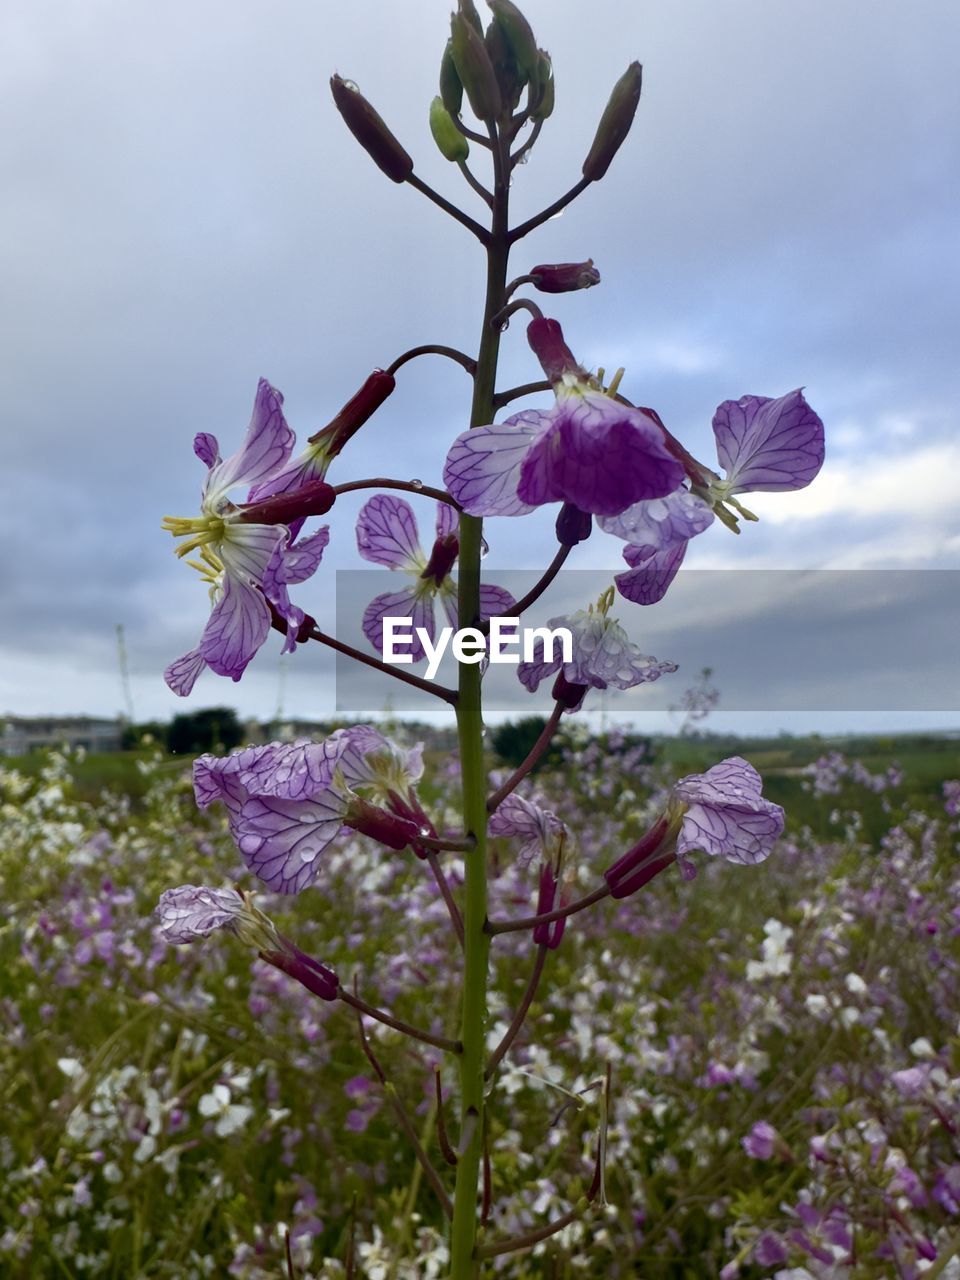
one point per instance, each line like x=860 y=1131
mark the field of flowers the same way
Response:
x=782 y=1042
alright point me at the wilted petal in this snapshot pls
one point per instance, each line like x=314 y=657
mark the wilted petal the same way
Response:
x=599 y=455
x=652 y=574
x=194 y=911
x=387 y=533
x=482 y=470
x=292 y=564
x=281 y=840
x=768 y=445
x=726 y=815
x=661 y=522
x=235 y=630
x=448 y=520
x=400 y=604
x=181 y=675
x=206 y=448
x=617 y=661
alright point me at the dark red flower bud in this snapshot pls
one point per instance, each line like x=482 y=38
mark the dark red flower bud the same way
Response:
x=388 y=828
x=614 y=123
x=370 y=131
x=573 y=525
x=409 y=807
x=549 y=935
x=564 y=277
x=312 y=499
x=570 y=696
x=316 y=977
x=442 y=557
x=355 y=412
x=652 y=854
x=546 y=340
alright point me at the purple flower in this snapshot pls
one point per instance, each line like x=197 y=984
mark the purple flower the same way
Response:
x=191 y=911
x=602 y=654
x=725 y=814
x=763 y=444
x=247 y=566
x=761 y=1142
x=589 y=450
x=538 y=829
x=387 y=534
x=286 y=802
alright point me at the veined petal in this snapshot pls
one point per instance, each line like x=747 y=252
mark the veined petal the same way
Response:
x=599 y=455
x=236 y=628
x=246 y=549
x=387 y=534
x=447 y=595
x=448 y=520
x=194 y=911
x=538 y=829
x=281 y=840
x=400 y=604
x=482 y=470
x=768 y=445
x=303 y=469
x=181 y=675
x=292 y=564
x=494 y=600
x=661 y=522
x=617 y=661
x=726 y=815
x=653 y=571
x=206 y=448
x=265 y=449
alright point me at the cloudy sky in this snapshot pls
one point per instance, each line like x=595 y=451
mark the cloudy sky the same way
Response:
x=183 y=212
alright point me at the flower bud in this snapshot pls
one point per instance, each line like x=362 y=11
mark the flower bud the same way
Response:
x=652 y=853
x=510 y=79
x=355 y=412
x=541 y=106
x=388 y=828
x=451 y=88
x=313 y=499
x=549 y=935
x=546 y=341
x=570 y=696
x=614 y=123
x=370 y=131
x=573 y=525
x=518 y=36
x=564 y=277
x=469 y=11
x=474 y=68
x=442 y=558
x=451 y=143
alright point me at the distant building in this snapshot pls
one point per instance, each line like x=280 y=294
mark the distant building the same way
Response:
x=19 y=735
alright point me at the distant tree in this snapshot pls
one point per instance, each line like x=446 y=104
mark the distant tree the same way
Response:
x=214 y=729
x=513 y=740
x=152 y=730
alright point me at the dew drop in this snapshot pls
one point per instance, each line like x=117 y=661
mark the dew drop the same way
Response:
x=416 y=484
x=484 y=548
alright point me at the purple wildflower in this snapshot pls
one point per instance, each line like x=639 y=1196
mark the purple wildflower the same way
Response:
x=761 y=1142
x=588 y=450
x=191 y=911
x=763 y=444
x=247 y=565
x=538 y=829
x=387 y=534
x=286 y=802
x=602 y=655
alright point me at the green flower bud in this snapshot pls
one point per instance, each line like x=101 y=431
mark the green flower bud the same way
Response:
x=542 y=109
x=474 y=68
x=614 y=123
x=451 y=89
x=518 y=35
x=510 y=79
x=450 y=141
x=370 y=131
x=469 y=10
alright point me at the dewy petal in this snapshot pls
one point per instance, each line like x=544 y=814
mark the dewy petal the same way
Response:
x=246 y=549
x=653 y=571
x=235 y=630
x=726 y=815
x=265 y=449
x=387 y=534
x=661 y=522
x=448 y=520
x=768 y=445
x=537 y=828
x=181 y=675
x=600 y=455
x=400 y=604
x=206 y=448
x=194 y=911
x=281 y=840
x=617 y=661
x=482 y=470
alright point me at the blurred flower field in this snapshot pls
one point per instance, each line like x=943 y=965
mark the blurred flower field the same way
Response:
x=783 y=1043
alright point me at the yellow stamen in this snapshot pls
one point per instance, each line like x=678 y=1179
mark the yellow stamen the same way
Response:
x=617 y=379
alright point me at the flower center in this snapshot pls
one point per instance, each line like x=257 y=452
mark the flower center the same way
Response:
x=199 y=531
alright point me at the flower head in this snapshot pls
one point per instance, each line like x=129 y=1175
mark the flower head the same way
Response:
x=247 y=565
x=191 y=911
x=539 y=829
x=387 y=534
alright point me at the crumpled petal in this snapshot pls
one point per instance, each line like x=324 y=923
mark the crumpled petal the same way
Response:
x=652 y=572
x=182 y=673
x=600 y=455
x=409 y=603
x=194 y=911
x=768 y=445
x=614 y=660
x=292 y=564
x=265 y=448
x=661 y=522
x=537 y=828
x=482 y=470
x=387 y=533
x=727 y=816
x=235 y=630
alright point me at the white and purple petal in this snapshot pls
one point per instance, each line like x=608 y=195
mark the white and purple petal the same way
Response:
x=194 y=911
x=495 y=601
x=537 y=828
x=482 y=470
x=661 y=522
x=410 y=603
x=726 y=814
x=236 y=628
x=387 y=534
x=613 y=659
x=281 y=840
x=292 y=564
x=182 y=673
x=206 y=448
x=265 y=449
x=448 y=520
x=246 y=549
x=651 y=572
x=768 y=445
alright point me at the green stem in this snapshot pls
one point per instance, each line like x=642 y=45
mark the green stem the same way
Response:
x=463 y=1261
